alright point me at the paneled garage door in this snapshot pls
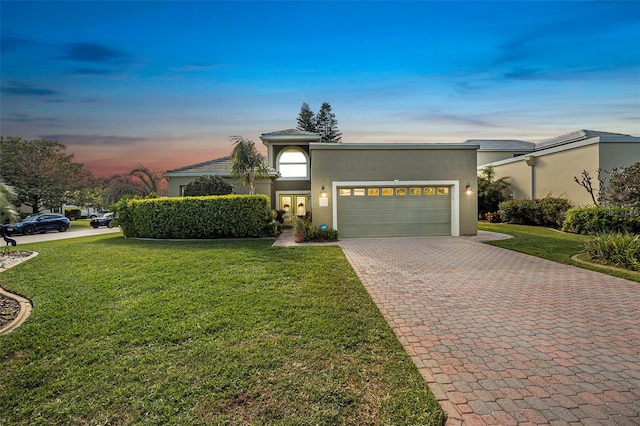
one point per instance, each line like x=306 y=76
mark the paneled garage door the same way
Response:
x=376 y=211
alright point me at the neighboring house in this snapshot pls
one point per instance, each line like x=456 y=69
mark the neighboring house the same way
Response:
x=549 y=167
x=363 y=189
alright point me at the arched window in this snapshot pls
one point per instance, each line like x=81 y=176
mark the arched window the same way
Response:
x=293 y=164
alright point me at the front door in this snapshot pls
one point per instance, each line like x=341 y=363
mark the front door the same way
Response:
x=293 y=205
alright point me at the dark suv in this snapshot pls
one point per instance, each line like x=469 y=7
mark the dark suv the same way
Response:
x=40 y=223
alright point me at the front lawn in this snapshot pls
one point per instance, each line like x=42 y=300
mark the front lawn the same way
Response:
x=237 y=332
x=548 y=244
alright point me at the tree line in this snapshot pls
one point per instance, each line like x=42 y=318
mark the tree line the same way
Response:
x=40 y=174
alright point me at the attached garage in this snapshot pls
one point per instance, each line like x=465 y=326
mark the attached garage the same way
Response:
x=402 y=210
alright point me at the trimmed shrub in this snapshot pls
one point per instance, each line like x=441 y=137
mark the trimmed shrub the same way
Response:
x=208 y=185
x=225 y=216
x=594 y=220
x=541 y=212
x=72 y=213
x=622 y=250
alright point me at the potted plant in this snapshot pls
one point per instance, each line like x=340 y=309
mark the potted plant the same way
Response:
x=300 y=230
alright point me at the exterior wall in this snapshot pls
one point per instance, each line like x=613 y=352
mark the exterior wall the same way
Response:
x=552 y=174
x=176 y=182
x=616 y=155
x=293 y=185
x=519 y=174
x=388 y=163
x=486 y=157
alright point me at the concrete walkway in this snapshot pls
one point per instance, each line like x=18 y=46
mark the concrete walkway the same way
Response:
x=506 y=338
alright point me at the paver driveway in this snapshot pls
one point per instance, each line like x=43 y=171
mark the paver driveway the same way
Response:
x=506 y=338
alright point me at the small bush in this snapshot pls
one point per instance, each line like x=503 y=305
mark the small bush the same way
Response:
x=72 y=213
x=622 y=250
x=541 y=212
x=314 y=233
x=594 y=220
x=493 y=217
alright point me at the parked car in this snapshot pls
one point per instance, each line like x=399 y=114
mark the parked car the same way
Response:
x=104 y=220
x=40 y=223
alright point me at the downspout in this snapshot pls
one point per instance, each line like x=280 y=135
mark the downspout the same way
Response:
x=531 y=162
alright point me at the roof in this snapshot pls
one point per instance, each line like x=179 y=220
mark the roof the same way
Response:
x=576 y=136
x=501 y=144
x=219 y=166
x=290 y=134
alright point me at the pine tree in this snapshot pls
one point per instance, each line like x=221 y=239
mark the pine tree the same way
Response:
x=307 y=119
x=327 y=125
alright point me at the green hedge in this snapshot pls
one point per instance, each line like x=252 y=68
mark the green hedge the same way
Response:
x=542 y=212
x=226 y=216
x=600 y=219
x=73 y=214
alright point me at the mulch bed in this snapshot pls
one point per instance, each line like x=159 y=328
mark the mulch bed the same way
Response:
x=10 y=308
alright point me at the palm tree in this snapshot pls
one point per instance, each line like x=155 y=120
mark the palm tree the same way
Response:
x=247 y=163
x=151 y=180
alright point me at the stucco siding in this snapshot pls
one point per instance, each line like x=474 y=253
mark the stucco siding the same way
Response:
x=492 y=156
x=617 y=155
x=519 y=175
x=554 y=173
x=376 y=164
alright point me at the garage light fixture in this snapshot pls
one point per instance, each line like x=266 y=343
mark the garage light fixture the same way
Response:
x=323 y=192
x=468 y=190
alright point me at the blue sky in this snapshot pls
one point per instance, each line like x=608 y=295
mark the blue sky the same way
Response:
x=165 y=84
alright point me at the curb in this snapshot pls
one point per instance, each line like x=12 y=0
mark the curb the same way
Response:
x=576 y=259
x=25 y=305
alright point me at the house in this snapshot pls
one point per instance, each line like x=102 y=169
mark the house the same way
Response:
x=395 y=189
x=363 y=190
x=548 y=168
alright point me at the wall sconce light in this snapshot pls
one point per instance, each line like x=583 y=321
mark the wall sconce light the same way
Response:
x=468 y=190
x=323 y=192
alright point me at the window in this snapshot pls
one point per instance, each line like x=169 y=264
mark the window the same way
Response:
x=387 y=192
x=429 y=191
x=292 y=163
x=415 y=191
x=373 y=192
x=401 y=191
x=345 y=192
x=358 y=192
x=443 y=191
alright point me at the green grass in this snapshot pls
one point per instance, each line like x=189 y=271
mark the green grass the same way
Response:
x=202 y=333
x=79 y=223
x=548 y=244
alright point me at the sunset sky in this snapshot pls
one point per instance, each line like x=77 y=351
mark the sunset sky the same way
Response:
x=165 y=84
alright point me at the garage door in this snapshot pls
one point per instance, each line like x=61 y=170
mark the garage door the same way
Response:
x=375 y=211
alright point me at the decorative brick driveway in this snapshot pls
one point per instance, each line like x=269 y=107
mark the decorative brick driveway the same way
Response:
x=506 y=338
